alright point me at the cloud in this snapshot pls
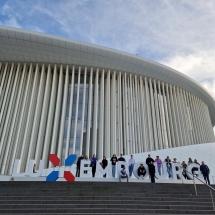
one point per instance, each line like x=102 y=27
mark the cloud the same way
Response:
x=199 y=66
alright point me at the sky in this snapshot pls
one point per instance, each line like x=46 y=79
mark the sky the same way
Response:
x=176 y=33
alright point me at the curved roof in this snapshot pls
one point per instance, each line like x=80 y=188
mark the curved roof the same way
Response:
x=27 y=46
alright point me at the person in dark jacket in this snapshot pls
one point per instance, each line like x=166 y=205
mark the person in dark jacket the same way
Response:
x=104 y=164
x=205 y=171
x=121 y=159
x=149 y=159
x=141 y=171
x=78 y=165
x=152 y=171
x=113 y=160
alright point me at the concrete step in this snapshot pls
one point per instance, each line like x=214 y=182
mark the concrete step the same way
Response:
x=105 y=206
x=105 y=211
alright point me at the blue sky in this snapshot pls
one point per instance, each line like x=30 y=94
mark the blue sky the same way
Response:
x=177 y=33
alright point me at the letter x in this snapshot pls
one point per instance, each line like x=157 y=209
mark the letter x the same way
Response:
x=55 y=160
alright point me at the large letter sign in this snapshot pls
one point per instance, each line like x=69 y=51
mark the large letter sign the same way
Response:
x=53 y=176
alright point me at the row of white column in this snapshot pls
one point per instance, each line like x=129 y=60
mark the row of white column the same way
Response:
x=131 y=114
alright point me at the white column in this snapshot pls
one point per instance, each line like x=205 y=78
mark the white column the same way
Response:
x=137 y=115
x=7 y=126
x=89 y=113
x=57 y=114
x=180 y=116
x=151 y=141
x=184 y=118
x=95 y=112
x=83 y=111
x=121 y=145
x=174 y=121
x=36 y=121
x=12 y=126
x=125 y=105
x=107 y=116
x=24 y=111
x=133 y=97
x=113 y=113
x=129 y=116
x=190 y=121
x=170 y=116
x=76 y=113
x=44 y=116
x=202 y=121
x=63 y=115
x=157 y=117
x=166 y=116
x=50 y=120
x=178 y=121
x=4 y=108
x=2 y=83
x=206 y=123
x=197 y=119
x=143 y=116
x=192 y=113
x=101 y=116
x=153 y=146
x=70 y=113
x=29 y=122
x=210 y=127
x=162 y=116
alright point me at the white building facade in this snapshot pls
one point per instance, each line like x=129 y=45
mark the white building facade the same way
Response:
x=62 y=96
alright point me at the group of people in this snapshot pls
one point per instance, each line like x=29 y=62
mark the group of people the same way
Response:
x=141 y=169
x=203 y=167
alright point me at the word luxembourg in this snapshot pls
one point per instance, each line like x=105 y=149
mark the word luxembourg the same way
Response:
x=85 y=170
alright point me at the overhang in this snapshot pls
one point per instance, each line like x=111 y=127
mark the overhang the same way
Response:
x=18 y=45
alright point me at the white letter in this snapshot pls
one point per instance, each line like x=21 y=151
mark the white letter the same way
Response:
x=119 y=167
x=107 y=170
x=31 y=167
x=196 y=172
x=15 y=169
x=136 y=166
x=87 y=168
x=176 y=170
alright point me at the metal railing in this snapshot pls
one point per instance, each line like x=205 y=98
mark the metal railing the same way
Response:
x=194 y=183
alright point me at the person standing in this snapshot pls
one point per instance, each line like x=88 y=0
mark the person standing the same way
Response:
x=152 y=171
x=184 y=172
x=205 y=171
x=113 y=160
x=93 y=164
x=131 y=163
x=78 y=165
x=159 y=164
x=168 y=166
x=190 y=161
x=104 y=164
x=121 y=159
x=149 y=159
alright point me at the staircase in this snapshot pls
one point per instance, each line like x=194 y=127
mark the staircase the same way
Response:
x=103 y=198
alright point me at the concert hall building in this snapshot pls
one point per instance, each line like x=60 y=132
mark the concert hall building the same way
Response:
x=63 y=96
